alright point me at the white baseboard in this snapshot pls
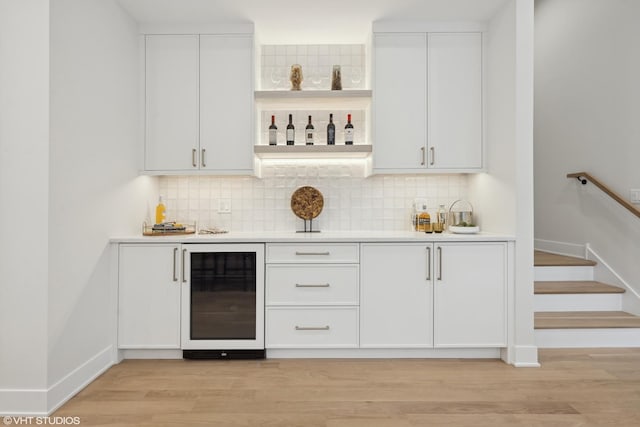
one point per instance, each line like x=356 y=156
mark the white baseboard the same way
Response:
x=604 y=273
x=149 y=354
x=365 y=353
x=63 y=390
x=43 y=402
x=525 y=356
x=560 y=248
x=16 y=402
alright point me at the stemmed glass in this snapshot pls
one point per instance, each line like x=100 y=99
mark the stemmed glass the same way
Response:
x=276 y=77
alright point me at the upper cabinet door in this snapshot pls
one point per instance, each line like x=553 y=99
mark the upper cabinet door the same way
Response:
x=455 y=101
x=171 y=87
x=226 y=103
x=400 y=101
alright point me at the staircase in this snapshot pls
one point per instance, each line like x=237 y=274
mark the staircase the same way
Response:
x=573 y=310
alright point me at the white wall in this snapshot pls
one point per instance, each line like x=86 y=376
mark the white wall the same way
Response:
x=24 y=166
x=587 y=118
x=93 y=185
x=503 y=197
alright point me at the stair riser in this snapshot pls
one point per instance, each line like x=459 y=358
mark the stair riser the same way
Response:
x=578 y=302
x=587 y=338
x=548 y=274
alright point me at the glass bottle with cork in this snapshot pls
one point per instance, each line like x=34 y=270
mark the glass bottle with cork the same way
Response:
x=423 y=219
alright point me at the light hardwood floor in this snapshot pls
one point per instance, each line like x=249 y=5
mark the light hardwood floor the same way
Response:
x=593 y=387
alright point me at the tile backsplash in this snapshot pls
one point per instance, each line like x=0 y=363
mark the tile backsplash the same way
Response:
x=350 y=204
x=317 y=62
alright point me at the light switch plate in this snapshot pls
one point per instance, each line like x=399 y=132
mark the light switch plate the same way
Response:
x=634 y=195
x=224 y=206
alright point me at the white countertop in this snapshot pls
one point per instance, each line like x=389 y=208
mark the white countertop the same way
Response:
x=323 y=236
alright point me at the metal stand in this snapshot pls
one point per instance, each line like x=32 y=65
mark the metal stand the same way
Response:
x=310 y=230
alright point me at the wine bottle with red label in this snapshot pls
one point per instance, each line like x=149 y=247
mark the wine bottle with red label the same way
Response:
x=348 y=131
x=273 y=132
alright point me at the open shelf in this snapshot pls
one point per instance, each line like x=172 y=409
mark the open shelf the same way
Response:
x=305 y=94
x=312 y=151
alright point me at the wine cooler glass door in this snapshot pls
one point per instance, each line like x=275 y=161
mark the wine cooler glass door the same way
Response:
x=223 y=297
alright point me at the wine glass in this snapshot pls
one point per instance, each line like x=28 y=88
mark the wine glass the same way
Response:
x=276 y=77
x=316 y=77
x=356 y=76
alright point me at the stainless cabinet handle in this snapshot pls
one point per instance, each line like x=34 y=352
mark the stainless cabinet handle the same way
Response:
x=312 y=328
x=428 y=263
x=175 y=256
x=202 y=158
x=322 y=285
x=433 y=155
x=423 y=159
x=439 y=263
x=184 y=252
x=193 y=158
x=313 y=253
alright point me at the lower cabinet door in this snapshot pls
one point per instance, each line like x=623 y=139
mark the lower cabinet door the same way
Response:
x=470 y=295
x=396 y=295
x=311 y=327
x=148 y=296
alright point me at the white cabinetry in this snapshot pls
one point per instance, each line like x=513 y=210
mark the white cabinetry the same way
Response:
x=396 y=309
x=149 y=296
x=427 y=102
x=171 y=102
x=399 y=101
x=470 y=292
x=312 y=296
x=199 y=103
x=226 y=103
x=442 y=295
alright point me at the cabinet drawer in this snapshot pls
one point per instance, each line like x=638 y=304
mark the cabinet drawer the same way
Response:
x=312 y=327
x=312 y=284
x=312 y=253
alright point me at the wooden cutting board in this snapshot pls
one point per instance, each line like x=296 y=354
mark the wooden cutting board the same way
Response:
x=307 y=202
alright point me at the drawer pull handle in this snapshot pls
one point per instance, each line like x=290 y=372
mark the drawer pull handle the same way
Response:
x=312 y=328
x=313 y=253
x=321 y=285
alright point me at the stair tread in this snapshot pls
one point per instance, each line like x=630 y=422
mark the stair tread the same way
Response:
x=585 y=319
x=575 y=287
x=546 y=259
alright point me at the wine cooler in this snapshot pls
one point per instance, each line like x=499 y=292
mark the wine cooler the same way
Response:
x=223 y=301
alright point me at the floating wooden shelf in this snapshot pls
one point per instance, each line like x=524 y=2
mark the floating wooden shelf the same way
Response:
x=306 y=94
x=312 y=151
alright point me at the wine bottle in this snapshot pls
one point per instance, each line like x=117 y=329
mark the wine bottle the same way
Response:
x=273 y=132
x=308 y=132
x=291 y=131
x=331 y=131
x=348 y=131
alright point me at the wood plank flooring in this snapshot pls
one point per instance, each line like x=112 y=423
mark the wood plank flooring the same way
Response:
x=594 y=387
x=546 y=259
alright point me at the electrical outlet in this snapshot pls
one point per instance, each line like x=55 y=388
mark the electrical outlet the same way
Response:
x=634 y=195
x=224 y=206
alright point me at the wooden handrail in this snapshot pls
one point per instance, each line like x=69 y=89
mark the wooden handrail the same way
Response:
x=583 y=177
